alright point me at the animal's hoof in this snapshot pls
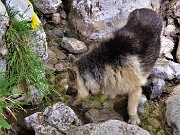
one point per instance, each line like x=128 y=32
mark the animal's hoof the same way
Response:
x=134 y=119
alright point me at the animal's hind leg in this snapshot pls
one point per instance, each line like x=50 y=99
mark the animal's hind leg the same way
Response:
x=133 y=99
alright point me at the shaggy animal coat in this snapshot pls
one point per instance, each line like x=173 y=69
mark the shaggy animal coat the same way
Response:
x=122 y=64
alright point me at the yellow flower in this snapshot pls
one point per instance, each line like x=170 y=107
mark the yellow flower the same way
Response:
x=30 y=4
x=34 y=22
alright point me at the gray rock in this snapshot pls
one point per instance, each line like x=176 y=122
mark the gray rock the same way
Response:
x=37 y=95
x=54 y=120
x=2 y=65
x=61 y=117
x=170 y=31
x=38 y=123
x=156 y=88
x=166 y=70
x=4 y=20
x=110 y=127
x=38 y=39
x=177 y=9
x=167 y=47
x=173 y=109
x=178 y=52
x=73 y=45
x=99 y=17
x=95 y=115
x=48 y=6
x=56 y=18
x=142 y=103
x=24 y=11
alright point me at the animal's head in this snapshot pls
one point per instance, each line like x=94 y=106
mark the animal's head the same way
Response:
x=76 y=86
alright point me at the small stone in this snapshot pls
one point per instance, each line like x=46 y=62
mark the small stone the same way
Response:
x=177 y=9
x=56 y=18
x=63 y=14
x=61 y=66
x=170 y=30
x=73 y=45
x=156 y=86
x=167 y=47
x=58 y=53
x=166 y=70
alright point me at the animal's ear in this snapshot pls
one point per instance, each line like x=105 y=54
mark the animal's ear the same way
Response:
x=72 y=74
x=72 y=58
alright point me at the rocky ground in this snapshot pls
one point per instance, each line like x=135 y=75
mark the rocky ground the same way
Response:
x=75 y=31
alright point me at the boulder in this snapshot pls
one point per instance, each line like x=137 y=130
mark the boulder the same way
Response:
x=56 y=119
x=173 y=109
x=37 y=122
x=110 y=127
x=48 y=6
x=96 y=19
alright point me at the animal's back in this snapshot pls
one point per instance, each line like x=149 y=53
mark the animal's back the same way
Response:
x=140 y=38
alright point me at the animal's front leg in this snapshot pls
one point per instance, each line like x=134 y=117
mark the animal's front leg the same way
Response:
x=133 y=99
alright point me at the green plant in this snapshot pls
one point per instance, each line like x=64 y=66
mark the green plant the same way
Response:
x=24 y=68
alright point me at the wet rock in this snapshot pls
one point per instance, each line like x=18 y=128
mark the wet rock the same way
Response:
x=173 y=109
x=98 y=17
x=178 y=52
x=73 y=45
x=95 y=115
x=56 y=18
x=110 y=127
x=48 y=6
x=55 y=119
x=156 y=88
x=167 y=47
x=166 y=70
